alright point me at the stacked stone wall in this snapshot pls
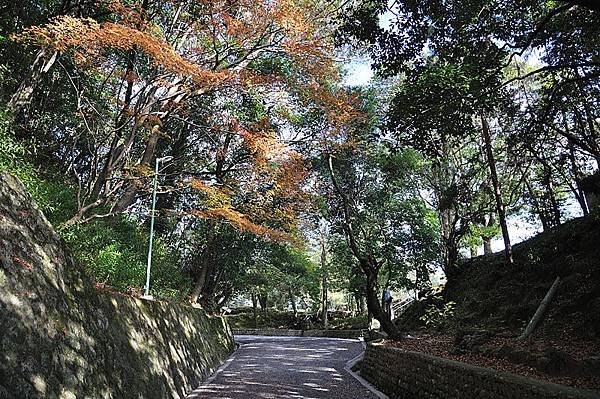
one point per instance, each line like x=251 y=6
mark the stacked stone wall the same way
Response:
x=413 y=375
x=346 y=334
x=61 y=338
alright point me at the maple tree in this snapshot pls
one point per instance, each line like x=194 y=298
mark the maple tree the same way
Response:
x=154 y=58
x=183 y=78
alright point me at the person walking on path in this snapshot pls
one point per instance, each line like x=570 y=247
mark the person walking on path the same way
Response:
x=387 y=298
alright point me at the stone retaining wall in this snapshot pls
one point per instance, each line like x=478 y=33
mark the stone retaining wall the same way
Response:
x=347 y=334
x=61 y=338
x=412 y=375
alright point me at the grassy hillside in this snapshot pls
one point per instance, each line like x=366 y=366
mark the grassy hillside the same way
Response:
x=482 y=311
x=496 y=296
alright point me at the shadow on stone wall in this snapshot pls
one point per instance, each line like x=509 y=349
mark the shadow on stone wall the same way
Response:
x=59 y=337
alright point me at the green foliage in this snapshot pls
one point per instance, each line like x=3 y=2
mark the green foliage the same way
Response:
x=396 y=226
x=281 y=272
x=54 y=198
x=113 y=251
x=349 y=323
x=244 y=318
x=438 y=317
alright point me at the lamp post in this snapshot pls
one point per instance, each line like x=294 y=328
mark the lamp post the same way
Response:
x=147 y=286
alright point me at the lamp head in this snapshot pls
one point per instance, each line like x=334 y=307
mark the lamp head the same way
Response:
x=164 y=159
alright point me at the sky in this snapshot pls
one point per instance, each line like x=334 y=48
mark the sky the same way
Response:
x=359 y=72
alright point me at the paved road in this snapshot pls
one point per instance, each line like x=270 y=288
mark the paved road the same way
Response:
x=288 y=367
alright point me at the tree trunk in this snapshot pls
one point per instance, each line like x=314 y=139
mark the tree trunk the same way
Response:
x=367 y=263
x=130 y=192
x=536 y=206
x=207 y=295
x=20 y=102
x=450 y=257
x=199 y=283
x=255 y=309
x=224 y=296
x=262 y=300
x=294 y=306
x=205 y=258
x=325 y=299
x=487 y=240
x=497 y=190
x=487 y=246
x=378 y=312
x=579 y=194
x=541 y=309
x=172 y=169
x=555 y=211
x=361 y=303
x=450 y=248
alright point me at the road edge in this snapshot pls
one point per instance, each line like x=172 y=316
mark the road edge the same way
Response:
x=348 y=368
x=195 y=394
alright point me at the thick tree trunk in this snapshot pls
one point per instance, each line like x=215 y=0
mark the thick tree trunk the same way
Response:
x=324 y=299
x=129 y=194
x=167 y=202
x=579 y=194
x=487 y=246
x=262 y=300
x=293 y=302
x=255 y=309
x=367 y=263
x=224 y=296
x=487 y=240
x=449 y=241
x=199 y=283
x=450 y=257
x=487 y=138
x=20 y=102
x=213 y=280
x=377 y=310
x=555 y=211
x=205 y=258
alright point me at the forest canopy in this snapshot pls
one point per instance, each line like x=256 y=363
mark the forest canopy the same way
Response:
x=276 y=180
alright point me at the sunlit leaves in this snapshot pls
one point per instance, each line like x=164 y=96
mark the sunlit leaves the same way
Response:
x=153 y=61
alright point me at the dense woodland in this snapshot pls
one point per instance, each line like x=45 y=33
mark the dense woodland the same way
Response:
x=278 y=181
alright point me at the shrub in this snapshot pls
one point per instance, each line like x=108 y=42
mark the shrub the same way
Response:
x=438 y=316
x=114 y=251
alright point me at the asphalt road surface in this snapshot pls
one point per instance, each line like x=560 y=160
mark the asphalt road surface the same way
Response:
x=288 y=367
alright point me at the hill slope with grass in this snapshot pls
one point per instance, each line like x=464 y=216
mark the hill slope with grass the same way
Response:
x=484 y=309
x=491 y=294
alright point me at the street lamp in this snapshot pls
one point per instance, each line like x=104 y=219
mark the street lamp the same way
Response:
x=147 y=286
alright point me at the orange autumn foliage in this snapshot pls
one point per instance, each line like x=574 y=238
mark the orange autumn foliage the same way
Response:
x=274 y=190
x=88 y=39
x=215 y=52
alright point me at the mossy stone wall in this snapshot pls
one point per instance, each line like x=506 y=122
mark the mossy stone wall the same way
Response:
x=409 y=375
x=61 y=338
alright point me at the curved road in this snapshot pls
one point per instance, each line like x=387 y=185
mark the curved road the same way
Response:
x=287 y=367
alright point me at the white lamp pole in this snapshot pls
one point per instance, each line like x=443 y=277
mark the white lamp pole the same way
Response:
x=147 y=287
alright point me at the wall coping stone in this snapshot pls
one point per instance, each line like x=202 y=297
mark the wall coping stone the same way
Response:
x=351 y=334
x=379 y=374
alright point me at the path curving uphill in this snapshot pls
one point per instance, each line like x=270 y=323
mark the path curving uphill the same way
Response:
x=288 y=367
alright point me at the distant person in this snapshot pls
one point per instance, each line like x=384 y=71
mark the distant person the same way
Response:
x=387 y=298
